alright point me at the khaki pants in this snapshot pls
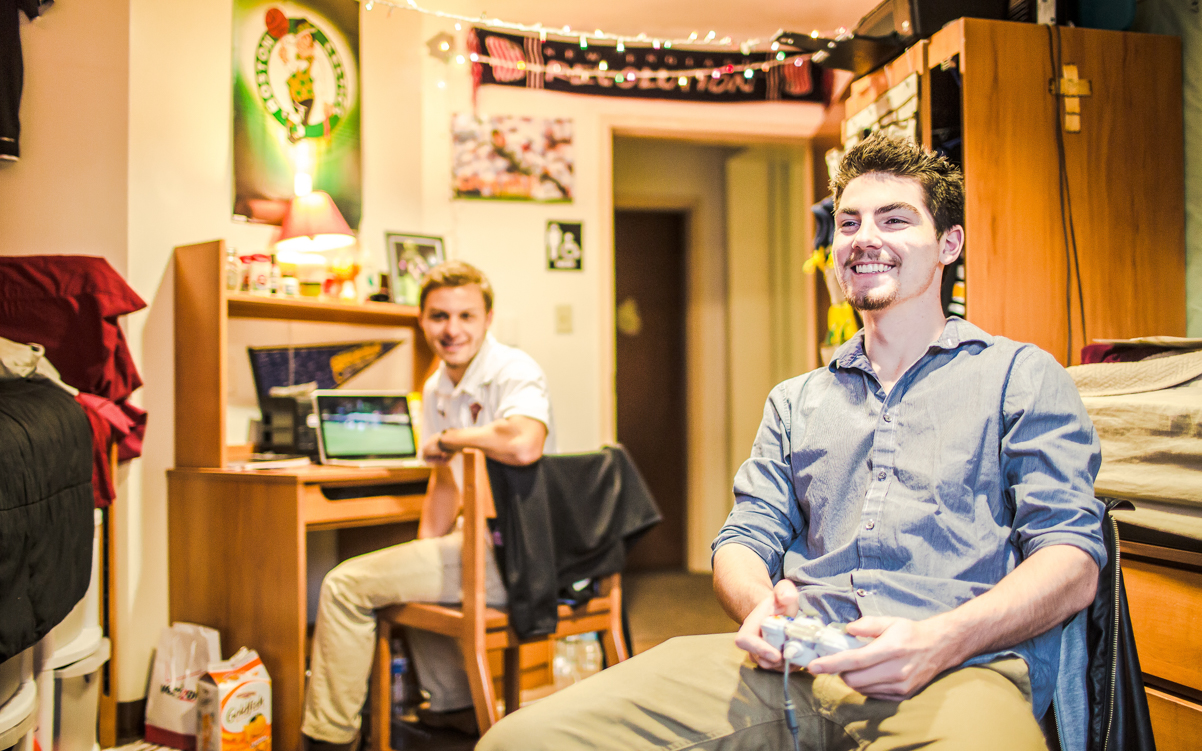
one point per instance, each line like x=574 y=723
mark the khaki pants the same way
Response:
x=701 y=692
x=345 y=638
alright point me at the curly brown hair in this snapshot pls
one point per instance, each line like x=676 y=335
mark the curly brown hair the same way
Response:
x=942 y=182
x=455 y=274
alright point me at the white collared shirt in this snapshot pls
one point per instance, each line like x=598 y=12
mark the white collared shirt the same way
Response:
x=501 y=381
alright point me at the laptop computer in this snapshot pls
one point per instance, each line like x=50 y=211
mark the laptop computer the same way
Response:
x=364 y=429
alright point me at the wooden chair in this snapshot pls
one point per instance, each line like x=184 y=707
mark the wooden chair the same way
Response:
x=480 y=628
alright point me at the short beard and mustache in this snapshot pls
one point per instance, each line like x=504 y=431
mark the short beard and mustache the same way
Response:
x=869 y=300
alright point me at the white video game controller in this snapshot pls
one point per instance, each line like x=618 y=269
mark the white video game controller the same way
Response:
x=806 y=638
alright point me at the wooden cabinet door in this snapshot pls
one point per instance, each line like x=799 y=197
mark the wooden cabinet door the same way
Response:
x=1125 y=172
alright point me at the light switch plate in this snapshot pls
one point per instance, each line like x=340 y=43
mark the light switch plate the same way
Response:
x=563 y=319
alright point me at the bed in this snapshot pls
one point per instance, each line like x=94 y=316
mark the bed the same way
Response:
x=46 y=502
x=58 y=435
x=1148 y=415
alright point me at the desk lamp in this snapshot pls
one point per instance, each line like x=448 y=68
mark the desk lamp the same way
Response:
x=314 y=224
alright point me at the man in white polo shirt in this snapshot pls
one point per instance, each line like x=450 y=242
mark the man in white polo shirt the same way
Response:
x=485 y=395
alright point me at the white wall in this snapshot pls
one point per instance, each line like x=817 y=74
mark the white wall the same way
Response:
x=1183 y=20
x=67 y=193
x=128 y=154
x=505 y=239
x=659 y=174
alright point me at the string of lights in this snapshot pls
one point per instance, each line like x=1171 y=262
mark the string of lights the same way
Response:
x=602 y=70
x=695 y=40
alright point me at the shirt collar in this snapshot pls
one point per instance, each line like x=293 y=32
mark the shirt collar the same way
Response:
x=473 y=378
x=956 y=333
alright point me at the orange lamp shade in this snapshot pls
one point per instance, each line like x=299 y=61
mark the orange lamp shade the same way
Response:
x=314 y=223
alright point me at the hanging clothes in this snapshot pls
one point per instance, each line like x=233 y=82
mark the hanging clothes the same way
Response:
x=70 y=305
x=12 y=71
x=563 y=519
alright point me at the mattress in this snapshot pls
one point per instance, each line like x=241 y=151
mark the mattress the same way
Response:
x=1162 y=524
x=1151 y=444
x=46 y=521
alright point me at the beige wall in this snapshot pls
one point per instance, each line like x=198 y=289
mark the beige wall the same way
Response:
x=749 y=307
x=658 y=174
x=771 y=302
x=67 y=193
x=128 y=154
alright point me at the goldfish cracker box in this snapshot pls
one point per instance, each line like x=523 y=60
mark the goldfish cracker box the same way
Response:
x=234 y=700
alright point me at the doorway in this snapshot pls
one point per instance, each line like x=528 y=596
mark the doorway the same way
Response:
x=649 y=290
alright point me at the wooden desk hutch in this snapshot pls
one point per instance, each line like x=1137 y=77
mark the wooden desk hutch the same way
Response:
x=237 y=538
x=982 y=91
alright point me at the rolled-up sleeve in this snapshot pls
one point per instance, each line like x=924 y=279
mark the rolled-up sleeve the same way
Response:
x=524 y=392
x=766 y=517
x=1050 y=455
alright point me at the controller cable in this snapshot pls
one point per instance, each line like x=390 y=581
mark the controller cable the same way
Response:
x=791 y=713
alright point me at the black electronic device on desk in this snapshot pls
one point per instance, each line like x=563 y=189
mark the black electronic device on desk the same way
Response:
x=285 y=378
x=289 y=425
x=887 y=30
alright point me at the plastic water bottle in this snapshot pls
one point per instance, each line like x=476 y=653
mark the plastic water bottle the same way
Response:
x=576 y=658
x=590 y=655
x=233 y=270
x=400 y=680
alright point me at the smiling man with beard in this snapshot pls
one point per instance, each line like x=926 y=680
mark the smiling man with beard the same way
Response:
x=932 y=488
x=484 y=395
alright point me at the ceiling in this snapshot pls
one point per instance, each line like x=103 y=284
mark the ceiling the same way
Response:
x=669 y=18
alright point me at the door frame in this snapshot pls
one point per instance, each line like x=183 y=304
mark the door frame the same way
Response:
x=704 y=510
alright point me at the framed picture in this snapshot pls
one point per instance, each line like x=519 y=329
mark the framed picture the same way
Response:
x=409 y=258
x=565 y=246
x=512 y=158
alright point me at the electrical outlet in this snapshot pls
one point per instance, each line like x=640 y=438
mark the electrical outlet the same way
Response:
x=563 y=319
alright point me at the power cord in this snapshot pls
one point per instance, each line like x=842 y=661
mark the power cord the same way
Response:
x=1055 y=52
x=791 y=713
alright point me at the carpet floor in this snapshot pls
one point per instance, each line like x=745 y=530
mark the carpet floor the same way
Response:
x=660 y=605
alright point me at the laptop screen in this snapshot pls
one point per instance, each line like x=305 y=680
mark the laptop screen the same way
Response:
x=365 y=426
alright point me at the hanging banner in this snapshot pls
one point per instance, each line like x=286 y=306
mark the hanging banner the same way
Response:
x=296 y=105
x=642 y=72
x=327 y=365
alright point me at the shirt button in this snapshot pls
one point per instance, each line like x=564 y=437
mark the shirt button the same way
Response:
x=887 y=417
x=880 y=475
x=862 y=592
x=870 y=524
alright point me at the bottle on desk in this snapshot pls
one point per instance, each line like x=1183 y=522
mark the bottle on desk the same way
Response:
x=233 y=271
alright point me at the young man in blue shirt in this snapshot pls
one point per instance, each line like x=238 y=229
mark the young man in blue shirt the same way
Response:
x=932 y=488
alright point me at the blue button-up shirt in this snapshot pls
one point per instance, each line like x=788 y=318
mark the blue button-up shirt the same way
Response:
x=913 y=502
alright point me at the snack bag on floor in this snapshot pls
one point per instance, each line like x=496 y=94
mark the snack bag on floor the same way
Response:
x=184 y=653
x=234 y=698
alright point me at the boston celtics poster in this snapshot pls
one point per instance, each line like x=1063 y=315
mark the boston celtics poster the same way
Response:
x=296 y=105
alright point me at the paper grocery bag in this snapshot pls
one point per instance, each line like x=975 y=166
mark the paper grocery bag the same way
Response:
x=183 y=655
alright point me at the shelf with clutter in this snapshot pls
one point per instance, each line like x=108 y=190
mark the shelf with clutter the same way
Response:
x=1048 y=258
x=211 y=320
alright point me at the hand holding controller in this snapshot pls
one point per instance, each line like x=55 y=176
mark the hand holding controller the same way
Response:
x=804 y=638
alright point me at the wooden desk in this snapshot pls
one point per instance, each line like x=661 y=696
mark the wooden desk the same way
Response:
x=237 y=557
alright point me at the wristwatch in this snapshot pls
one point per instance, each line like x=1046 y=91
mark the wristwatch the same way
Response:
x=440 y=445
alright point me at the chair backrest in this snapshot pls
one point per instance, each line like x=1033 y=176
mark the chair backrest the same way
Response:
x=478 y=507
x=566 y=518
